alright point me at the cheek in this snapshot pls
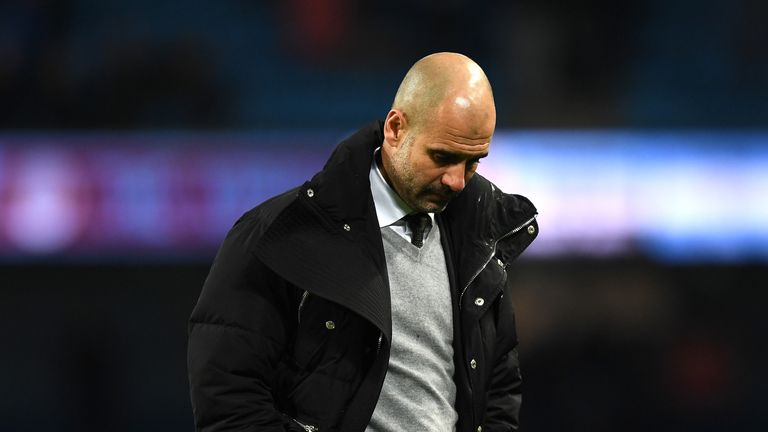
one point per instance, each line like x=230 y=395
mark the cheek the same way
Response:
x=429 y=176
x=427 y=171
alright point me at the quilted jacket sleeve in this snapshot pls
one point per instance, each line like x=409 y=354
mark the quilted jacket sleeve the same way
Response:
x=237 y=333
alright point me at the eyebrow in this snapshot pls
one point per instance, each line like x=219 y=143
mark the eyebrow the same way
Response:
x=457 y=155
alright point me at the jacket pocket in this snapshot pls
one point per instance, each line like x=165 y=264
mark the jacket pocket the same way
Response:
x=312 y=334
x=319 y=401
x=321 y=326
x=292 y=424
x=304 y=427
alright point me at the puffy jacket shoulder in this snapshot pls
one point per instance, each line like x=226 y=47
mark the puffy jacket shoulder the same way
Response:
x=238 y=330
x=253 y=223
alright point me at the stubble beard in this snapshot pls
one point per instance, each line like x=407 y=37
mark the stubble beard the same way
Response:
x=411 y=193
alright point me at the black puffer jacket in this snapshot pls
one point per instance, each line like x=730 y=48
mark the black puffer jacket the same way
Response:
x=293 y=324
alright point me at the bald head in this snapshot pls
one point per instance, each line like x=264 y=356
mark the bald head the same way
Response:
x=445 y=84
x=438 y=129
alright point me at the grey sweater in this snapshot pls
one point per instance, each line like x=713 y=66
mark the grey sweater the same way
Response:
x=418 y=392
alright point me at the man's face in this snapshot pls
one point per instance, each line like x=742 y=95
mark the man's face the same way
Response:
x=434 y=163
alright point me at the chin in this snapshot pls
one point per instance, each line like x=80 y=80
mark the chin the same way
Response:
x=433 y=207
x=428 y=204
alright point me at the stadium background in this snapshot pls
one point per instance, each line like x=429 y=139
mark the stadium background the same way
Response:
x=134 y=133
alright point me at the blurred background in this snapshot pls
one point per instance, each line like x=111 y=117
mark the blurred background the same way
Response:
x=133 y=134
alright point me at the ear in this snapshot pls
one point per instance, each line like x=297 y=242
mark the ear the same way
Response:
x=394 y=126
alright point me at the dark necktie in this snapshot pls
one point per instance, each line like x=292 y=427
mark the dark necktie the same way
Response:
x=418 y=223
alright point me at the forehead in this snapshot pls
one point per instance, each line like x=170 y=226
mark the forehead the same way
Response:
x=461 y=126
x=459 y=140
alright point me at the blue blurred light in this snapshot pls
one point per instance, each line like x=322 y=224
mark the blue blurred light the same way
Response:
x=678 y=196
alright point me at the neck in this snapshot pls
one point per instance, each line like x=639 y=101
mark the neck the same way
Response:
x=379 y=157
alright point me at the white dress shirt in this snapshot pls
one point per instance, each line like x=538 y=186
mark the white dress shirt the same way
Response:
x=390 y=208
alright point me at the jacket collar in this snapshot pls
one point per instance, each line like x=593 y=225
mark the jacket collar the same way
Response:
x=328 y=240
x=482 y=215
x=481 y=212
x=484 y=223
x=342 y=188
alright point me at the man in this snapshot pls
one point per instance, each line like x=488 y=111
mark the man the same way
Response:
x=327 y=307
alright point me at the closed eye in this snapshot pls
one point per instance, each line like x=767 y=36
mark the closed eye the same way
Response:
x=441 y=157
x=445 y=158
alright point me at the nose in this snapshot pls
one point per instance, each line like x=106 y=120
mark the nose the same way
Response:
x=454 y=177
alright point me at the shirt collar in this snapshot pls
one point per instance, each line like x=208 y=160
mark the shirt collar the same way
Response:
x=390 y=208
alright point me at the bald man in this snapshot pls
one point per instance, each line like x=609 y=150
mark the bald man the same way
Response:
x=375 y=296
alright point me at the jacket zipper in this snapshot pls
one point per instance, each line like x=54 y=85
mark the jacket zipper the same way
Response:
x=490 y=257
x=306 y=427
x=301 y=304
